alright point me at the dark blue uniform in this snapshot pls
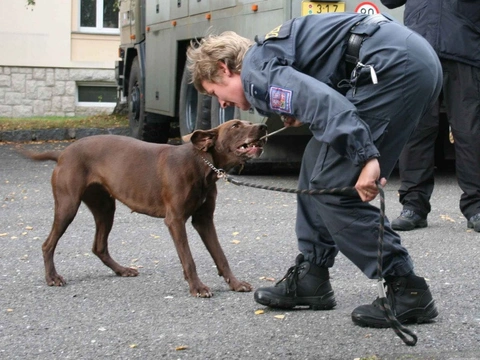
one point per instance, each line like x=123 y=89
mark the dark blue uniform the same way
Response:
x=452 y=27
x=299 y=69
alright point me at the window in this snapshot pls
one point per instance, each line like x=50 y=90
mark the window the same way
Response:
x=99 y=16
x=97 y=94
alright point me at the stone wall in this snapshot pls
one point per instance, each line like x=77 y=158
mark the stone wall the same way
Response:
x=26 y=91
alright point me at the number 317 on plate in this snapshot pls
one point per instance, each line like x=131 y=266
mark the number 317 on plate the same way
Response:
x=313 y=7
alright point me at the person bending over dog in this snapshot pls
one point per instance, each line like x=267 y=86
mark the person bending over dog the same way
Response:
x=361 y=83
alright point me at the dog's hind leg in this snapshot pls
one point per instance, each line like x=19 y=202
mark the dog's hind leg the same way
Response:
x=102 y=206
x=202 y=221
x=66 y=208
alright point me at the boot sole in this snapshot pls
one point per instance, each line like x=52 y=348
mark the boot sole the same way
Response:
x=325 y=302
x=407 y=227
x=418 y=315
x=470 y=226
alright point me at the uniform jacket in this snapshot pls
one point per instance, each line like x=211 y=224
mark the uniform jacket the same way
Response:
x=295 y=70
x=452 y=27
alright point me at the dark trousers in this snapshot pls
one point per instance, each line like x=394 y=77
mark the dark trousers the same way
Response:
x=461 y=98
x=409 y=80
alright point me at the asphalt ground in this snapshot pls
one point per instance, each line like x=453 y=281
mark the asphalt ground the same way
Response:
x=98 y=315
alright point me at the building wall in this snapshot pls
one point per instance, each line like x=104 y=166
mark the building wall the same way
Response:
x=45 y=57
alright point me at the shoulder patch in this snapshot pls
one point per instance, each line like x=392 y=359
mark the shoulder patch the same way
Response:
x=280 y=99
x=280 y=32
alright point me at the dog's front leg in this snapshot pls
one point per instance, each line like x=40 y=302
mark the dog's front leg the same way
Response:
x=178 y=232
x=203 y=223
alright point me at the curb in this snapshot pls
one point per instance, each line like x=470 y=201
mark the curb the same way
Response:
x=58 y=134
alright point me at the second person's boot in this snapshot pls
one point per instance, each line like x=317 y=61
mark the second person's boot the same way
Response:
x=409 y=298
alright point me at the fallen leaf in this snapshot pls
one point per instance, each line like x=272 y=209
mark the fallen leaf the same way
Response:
x=235 y=233
x=447 y=218
x=29 y=228
x=236 y=241
x=281 y=317
x=259 y=312
x=4 y=234
x=9 y=310
x=133 y=346
x=182 y=347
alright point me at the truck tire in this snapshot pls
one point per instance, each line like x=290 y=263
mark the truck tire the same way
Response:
x=194 y=112
x=144 y=126
x=220 y=115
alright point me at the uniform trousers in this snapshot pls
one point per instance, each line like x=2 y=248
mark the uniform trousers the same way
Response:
x=461 y=98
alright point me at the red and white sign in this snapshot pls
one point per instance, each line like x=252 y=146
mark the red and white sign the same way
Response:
x=367 y=8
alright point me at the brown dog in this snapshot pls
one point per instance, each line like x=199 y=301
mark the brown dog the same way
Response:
x=165 y=181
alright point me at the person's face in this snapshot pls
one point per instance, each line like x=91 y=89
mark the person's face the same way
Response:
x=229 y=90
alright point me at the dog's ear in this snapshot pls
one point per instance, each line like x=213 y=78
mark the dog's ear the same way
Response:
x=186 y=138
x=204 y=139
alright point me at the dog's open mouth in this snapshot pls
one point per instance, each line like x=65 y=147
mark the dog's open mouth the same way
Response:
x=252 y=149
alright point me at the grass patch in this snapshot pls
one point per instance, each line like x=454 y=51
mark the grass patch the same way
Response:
x=54 y=122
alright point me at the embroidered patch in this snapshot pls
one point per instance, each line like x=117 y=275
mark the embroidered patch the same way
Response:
x=281 y=99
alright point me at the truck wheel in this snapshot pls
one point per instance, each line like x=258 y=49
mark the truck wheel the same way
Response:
x=220 y=115
x=204 y=112
x=194 y=110
x=136 y=102
x=144 y=126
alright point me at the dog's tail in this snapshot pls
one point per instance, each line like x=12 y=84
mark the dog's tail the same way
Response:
x=44 y=156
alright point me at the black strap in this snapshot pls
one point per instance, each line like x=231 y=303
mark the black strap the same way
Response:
x=354 y=42
x=353 y=51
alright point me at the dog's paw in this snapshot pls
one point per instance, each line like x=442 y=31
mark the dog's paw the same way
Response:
x=201 y=291
x=127 y=272
x=242 y=286
x=56 y=280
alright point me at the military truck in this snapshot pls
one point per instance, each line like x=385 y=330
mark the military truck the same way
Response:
x=151 y=72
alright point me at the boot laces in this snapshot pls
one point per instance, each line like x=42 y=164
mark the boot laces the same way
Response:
x=291 y=278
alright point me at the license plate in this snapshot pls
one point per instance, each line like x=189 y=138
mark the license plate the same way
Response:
x=313 y=7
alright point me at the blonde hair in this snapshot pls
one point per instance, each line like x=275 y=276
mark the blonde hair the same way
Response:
x=204 y=55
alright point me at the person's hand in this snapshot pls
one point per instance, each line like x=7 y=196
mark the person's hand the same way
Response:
x=289 y=121
x=366 y=184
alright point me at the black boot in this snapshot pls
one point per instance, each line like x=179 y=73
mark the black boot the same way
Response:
x=304 y=284
x=409 y=298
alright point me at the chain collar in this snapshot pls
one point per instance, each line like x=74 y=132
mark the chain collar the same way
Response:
x=220 y=172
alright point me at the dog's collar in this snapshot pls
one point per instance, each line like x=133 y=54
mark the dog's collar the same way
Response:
x=220 y=172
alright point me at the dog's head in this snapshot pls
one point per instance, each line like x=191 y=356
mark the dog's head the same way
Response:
x=231 y=143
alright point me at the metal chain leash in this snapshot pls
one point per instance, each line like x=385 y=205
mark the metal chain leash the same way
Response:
x=396 y=326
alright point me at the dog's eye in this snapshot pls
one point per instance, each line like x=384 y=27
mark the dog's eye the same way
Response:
x=236 y=125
